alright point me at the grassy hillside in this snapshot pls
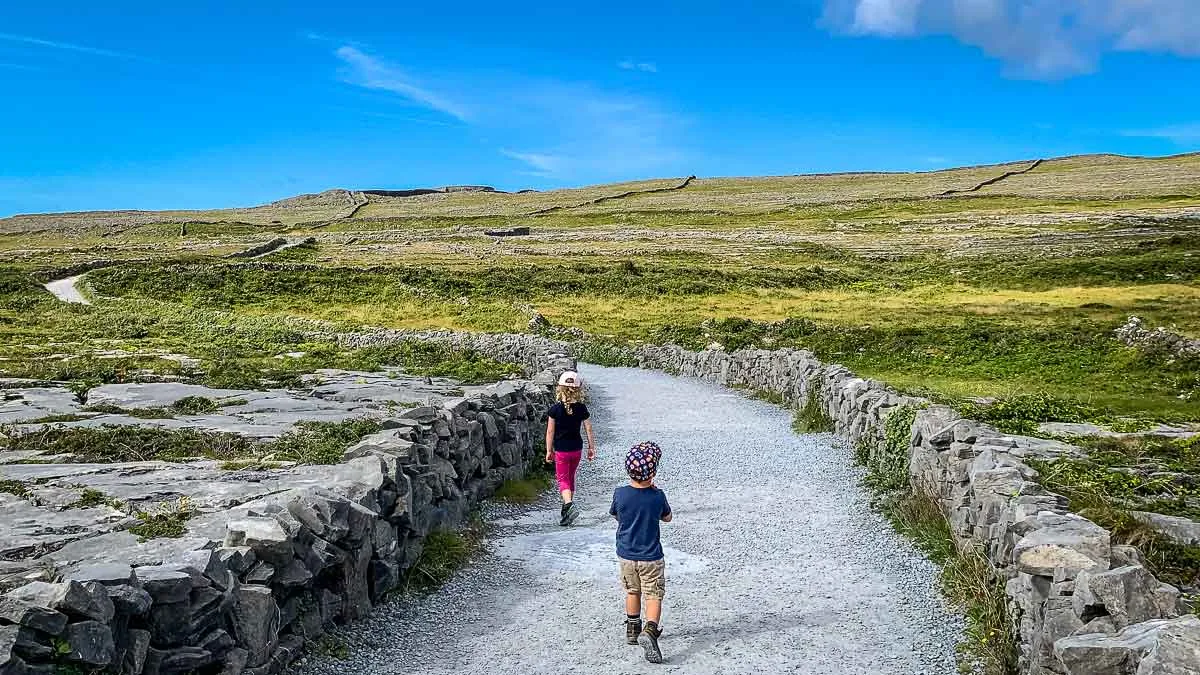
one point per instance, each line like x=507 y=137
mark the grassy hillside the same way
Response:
x=1010 y=290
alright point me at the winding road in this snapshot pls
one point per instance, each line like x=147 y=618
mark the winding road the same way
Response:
x=776 y=563
x=67 y=290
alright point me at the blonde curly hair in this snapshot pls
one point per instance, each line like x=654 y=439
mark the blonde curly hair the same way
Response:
x=568 y=396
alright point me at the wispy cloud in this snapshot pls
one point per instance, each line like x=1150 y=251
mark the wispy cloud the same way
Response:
x=543 y=164
x=366 y=71
x=19 y=66
x=561 y=130
x=576 y=132
x=1039 y=39
x=644 y=66
x=39 y=42
x=1180 y=134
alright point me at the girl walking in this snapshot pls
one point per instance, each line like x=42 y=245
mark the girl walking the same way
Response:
x=564 y=442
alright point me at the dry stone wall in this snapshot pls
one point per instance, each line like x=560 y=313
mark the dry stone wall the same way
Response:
x=1083 y=606
x=246 y=589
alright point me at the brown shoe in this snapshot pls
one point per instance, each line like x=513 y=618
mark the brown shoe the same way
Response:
x=648 y=639
x=633 y=628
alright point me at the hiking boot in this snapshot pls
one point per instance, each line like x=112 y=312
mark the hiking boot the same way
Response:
x=633 y=628
x=648 y=639
x=565 y=518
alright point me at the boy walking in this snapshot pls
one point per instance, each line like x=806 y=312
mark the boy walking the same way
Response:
x=639 y=507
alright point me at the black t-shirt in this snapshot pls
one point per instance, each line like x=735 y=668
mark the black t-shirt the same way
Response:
x=566 y=427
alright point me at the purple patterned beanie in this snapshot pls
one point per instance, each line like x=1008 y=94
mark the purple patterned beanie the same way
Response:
x=642 y=461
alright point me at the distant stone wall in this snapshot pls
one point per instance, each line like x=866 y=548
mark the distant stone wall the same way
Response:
x=259 y=249
x=1158 y=341
x=246 y=589
x=1083 y=605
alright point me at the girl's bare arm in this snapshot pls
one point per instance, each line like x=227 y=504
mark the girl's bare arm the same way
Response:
x=587 y=426
x=550 y=440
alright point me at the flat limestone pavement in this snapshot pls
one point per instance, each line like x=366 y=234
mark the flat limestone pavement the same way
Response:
x=776 y=564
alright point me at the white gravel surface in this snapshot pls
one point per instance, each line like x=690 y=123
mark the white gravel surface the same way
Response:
x=776 y=563
x=67 y=290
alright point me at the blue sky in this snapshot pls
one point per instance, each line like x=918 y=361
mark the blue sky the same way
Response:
x=201 y=105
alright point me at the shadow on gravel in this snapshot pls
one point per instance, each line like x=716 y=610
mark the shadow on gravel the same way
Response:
x=706 y=638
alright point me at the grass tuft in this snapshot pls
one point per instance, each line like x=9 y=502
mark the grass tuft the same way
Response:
x=92 y=498
x=166 y=520
x=15 y=488
x=968 y=581
x=443 y=553
x=811 y=418
x=526 y=490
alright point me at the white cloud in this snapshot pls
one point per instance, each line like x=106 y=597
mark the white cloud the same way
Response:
x=1042 y=39
x=366 y=71
x=1181 y=134
x=644 y=66
x=886 y=17
x=39 y=42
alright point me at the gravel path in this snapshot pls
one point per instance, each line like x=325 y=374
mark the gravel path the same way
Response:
x=776 y=564
x=67 y=290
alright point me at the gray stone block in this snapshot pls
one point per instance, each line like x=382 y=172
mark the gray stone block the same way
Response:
x=129 y=600
x=164 y=584
x=90 y=642
x=88 y=600
x=23 y=613
x=255 y=620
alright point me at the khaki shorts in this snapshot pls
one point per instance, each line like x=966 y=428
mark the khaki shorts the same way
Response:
x=644 y=578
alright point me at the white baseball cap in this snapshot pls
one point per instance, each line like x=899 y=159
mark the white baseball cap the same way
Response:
x=570 y=378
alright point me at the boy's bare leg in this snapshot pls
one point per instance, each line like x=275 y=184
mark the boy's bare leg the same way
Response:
x=633 y=604
x=653 y=609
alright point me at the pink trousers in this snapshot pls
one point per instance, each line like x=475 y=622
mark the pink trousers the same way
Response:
x=565 y=464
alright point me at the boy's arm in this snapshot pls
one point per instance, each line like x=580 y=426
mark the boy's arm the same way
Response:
x=667 y=515
x=612 y=510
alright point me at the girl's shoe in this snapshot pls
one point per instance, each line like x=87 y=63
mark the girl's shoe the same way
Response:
x=565 y=518
x=648 y=639
x=633 y=628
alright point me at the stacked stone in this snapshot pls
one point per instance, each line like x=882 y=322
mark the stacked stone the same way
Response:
x=290 y=565
x=1083 y=605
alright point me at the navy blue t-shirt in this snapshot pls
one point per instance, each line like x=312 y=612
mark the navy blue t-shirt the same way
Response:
x=566 y=426
x=638 y=512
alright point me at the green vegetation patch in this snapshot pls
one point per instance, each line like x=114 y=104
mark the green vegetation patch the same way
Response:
x=229 y=286
x=91 y=498
x=1057 y=363
x=15 y=488
x=309 y=443
x=319 y=442
x=526 y=490
x=1021 y=414
x=1153 y=474
x=811 y=418
x=166 y=520
x=112 y=443
x=603 y=352
x=443 y=553
x=886 y=459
